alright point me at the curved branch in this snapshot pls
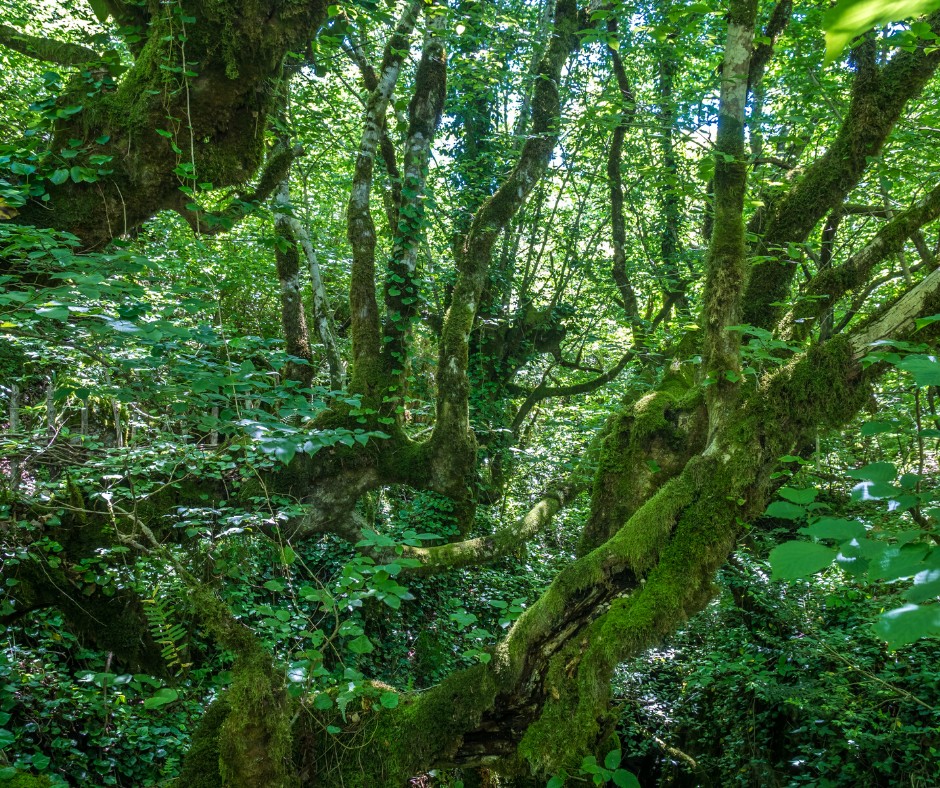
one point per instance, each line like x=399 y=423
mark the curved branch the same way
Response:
x=46 y=49
x=831 y=284
x=543 y=392
x=879 y=96
x=273 y=175
x=486 y=549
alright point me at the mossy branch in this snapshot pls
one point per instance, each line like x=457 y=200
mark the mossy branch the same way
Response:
x=486 y=549
x=276 y=169
x=725 y=272
x=879 y=96
x=402 y=286
x=831 y=284
x=618 y=231
x=47 y=50
x=776 y=24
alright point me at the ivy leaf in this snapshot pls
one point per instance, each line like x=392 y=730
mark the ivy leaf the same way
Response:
x=793 y=560
x=361 y=645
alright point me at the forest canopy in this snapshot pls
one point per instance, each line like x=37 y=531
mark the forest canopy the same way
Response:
x=464 y=393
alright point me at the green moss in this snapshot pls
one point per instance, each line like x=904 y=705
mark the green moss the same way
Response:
x=255 y=739
x=201 y=764
x=25 y=780
x=649 y=442
x=385 y=747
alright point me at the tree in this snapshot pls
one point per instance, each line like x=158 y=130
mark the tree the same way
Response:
x=182 y=105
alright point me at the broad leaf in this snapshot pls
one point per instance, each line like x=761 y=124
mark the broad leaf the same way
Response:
x=835 y=528
x=793 y=560
x=907 y=624
x=850 y=18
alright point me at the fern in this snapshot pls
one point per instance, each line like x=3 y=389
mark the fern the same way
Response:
x=170 y=636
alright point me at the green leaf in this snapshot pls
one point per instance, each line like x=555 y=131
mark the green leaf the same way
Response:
x=803 y=496
x=850 y=18
x=389 y=699
x=361 y=645
x=907 y=624
x=612 y=759
x=793 y=560
x=925 y=369
x=6 y=738
x=875 y=472
x=59 y=177
x=785 y=510
x=41 y=762
x=54 y=312
x=897 y=562
x=835 y=528
x=624 y=779
x=877 y=427
x=926 y=321
x=556 y=782
x=274 y=585
x=926 y=586
x=160 y=698
x=100 y=7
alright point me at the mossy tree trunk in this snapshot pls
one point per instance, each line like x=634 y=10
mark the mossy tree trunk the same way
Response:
x=681 y=468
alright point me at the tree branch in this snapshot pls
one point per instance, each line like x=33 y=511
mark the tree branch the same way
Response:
x=453 y=420
x=46 y=49
x=402 y=287
x=364 y=310
x=832 y=283
x=245 y=203
x=726 y=265
x=543 y=391
x=879 y=96
x=615 y=181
